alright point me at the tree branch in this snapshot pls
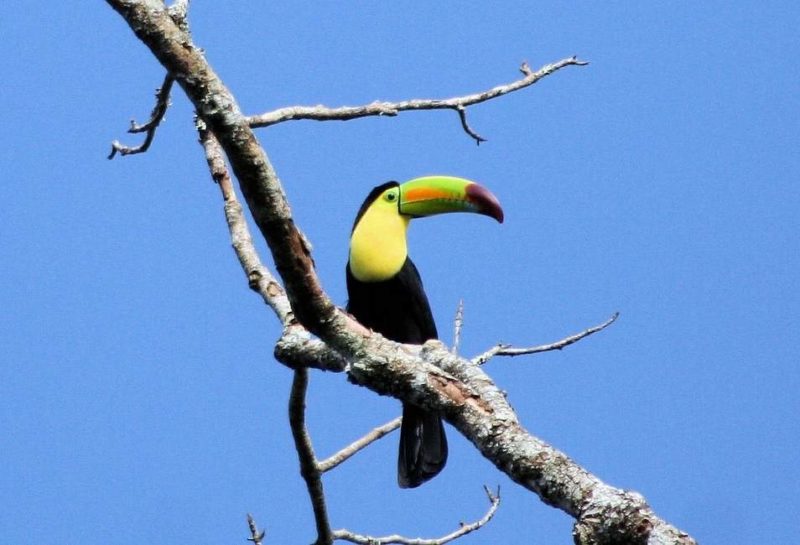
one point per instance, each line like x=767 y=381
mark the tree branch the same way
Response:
x=356 y=446
x=255 y=536
x=458 y=323
x=305 y=452
x=431 y=376
x=314 y=353
x=494 y=503
x=508 y=350
x=459 y=103
x=162 y=103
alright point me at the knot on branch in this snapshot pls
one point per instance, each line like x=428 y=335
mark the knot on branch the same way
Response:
x=619 y=518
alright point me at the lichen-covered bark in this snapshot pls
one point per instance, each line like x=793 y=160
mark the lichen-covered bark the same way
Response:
x=429 y=376
x=215 y=104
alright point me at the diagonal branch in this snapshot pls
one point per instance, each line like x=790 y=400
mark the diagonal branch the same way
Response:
x=360 y=444
x=459 y=103
x=259 y=278
x=431 y=376
x=162 y=103
x=508 y=350
x=494 y=503
x=255 y=536
x=314 y=353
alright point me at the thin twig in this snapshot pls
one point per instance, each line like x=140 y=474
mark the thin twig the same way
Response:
x=458 y=324
x=255 y=536
x=508 y=350
x=462 y=116
x=459 y=104
x=259 y=278
x=305 y=453
x=162 y=103
x=316 y=354
x=355 y=446
x=494 y=500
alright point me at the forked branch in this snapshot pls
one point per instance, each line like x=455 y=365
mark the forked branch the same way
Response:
x=256 y=536
x=464 y=529
x=160 y=108
x=459 y=104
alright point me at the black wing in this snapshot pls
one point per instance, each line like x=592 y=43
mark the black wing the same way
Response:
x=396 y=308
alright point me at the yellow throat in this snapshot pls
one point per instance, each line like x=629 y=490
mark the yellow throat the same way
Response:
x=378 y=246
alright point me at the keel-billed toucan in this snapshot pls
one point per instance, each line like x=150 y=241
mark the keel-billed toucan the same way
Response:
x=386 y=295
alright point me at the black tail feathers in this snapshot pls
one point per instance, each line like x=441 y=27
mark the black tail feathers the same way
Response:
x=423 y=447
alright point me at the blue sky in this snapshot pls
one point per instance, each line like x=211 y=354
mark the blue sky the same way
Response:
x=139 y=401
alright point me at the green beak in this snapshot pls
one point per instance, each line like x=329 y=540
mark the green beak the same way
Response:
x=443 y=194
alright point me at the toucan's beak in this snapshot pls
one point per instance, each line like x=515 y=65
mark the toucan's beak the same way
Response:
x=442 y=194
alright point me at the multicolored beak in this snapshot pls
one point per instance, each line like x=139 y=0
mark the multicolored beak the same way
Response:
x=431 y=195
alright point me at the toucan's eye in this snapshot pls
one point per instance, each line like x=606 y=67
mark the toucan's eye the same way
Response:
x=391 y=196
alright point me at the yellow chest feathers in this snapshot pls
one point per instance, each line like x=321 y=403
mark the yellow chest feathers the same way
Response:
x=378 y=245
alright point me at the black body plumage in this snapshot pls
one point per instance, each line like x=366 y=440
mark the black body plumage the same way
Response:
x=398 y=309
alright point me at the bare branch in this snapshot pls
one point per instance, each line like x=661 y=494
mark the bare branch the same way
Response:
x=462 y=116
x=178 y=11
x=508 y=350
x=459 y=104
x=305 y=452
x=255 y=536
x=314 y=352
x=356 y=446
x=162 y=103
x=259 y=278
x=431 y=376
x=464 y=529
x=458 y=323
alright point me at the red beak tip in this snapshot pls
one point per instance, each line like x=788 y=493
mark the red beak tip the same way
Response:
x=486 y=201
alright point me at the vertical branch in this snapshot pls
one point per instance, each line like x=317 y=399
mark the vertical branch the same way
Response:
x=305 y=452
x=458 y=324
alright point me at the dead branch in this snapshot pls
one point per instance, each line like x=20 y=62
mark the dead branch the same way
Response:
x=459 y=103
x=305 y=452
x=160 y=108
x=430 y=377
x=315 y=353
x=458 y=323
x=464 y=529
x=354 y=447
x=255 y=536
x=508 y=350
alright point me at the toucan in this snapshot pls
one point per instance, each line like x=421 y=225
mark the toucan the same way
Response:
x=386 y=294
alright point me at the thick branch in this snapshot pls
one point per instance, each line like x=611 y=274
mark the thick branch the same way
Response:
x=260 y=186
x=464 y=529
x=459 y=103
